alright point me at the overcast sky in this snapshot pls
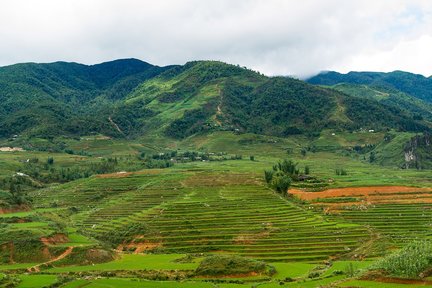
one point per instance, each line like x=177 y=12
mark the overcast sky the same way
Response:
x=276 y=37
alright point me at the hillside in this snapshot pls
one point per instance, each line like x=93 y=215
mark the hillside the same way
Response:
x=64 y=98
x=131 y=98
x=208 y=95
x=415 y=85
x=176 y=196
x=403 y=90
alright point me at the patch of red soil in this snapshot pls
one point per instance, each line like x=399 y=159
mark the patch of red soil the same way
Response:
x=56 y=239
x=21 y=208
x=46 y=252
x=139 y=246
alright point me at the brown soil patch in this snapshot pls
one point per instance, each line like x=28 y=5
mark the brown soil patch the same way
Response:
x=150 y=172
x=21 y=208
x=115 y=175
x=250 y=239
x=356 y=192
x=139 y=246
x=102 y=137
x=11 y=149
x=56 y=239
x=126 y=174
x=66 y=253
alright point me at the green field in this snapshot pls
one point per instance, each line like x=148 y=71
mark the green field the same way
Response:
x=153 y=227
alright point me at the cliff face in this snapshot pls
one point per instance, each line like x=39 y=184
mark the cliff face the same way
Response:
x=418 y=152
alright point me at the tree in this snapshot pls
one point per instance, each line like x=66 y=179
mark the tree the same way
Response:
x=372 y=157
x=281 y=183
x=50 y=161
x=18 y=196
x=303 y=152
x=252 y=158
x=307 y=170
x=268 y=176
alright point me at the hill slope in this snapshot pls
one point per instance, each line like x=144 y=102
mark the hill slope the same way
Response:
x=130 y=98
x=57 y=98
x=209 y=95
x=413 y=84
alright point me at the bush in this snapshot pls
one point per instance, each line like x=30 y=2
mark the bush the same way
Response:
x=341 y=172
x=268 y=176
x=281 y=183
x=217 y=265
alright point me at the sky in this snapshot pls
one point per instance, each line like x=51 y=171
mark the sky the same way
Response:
x=276 y=37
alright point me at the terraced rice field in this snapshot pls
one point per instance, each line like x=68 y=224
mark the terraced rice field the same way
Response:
x=401 y=214
x=399 y=222
x=204 y=211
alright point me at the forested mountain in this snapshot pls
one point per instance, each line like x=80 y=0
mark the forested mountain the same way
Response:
x=129 y=98
x=417 y=108
x=56 y=98
x=415 y=85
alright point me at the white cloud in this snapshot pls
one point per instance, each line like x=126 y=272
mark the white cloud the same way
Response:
x=273 y=36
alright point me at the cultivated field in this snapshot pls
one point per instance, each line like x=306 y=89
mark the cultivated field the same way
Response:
x=153 y=227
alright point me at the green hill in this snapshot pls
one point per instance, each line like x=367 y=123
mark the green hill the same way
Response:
x=418 y=109
x=63 y=98
x=208 y=95
x=415 y=85
x=408 y=92
x=131 y=98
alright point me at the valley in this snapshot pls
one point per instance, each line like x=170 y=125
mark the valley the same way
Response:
x=156 y=179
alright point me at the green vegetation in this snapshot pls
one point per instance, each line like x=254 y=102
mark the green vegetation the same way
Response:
x=141 y=176
x=412 y=261
x=415 y=85
x=129 y=98
x=219 y=265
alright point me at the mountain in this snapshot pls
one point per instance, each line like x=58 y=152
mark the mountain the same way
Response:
x=417 y=108
x=130 y=98
x=46 y=99
x=415 y=85
x=209 y=95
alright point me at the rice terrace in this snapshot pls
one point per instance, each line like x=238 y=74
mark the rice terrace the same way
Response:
x=261 y=167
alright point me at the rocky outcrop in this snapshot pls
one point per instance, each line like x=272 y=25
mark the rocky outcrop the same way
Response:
x=418 y=152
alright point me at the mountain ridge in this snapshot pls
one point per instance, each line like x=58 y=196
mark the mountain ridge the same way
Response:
x=130 y=98
x=415 y=85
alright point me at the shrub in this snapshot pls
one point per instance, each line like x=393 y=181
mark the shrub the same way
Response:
x=341 y=172
x=216 y=265
x=281 y=183
x=268 y=176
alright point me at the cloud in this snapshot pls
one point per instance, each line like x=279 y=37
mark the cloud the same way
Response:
x=277 y=37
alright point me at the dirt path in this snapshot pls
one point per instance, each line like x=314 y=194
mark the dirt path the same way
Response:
x=66 y=253
x=219 y=109
x=11 y=149
x=115 y=125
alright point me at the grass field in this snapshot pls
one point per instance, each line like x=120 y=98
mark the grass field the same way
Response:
x=161 y=223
